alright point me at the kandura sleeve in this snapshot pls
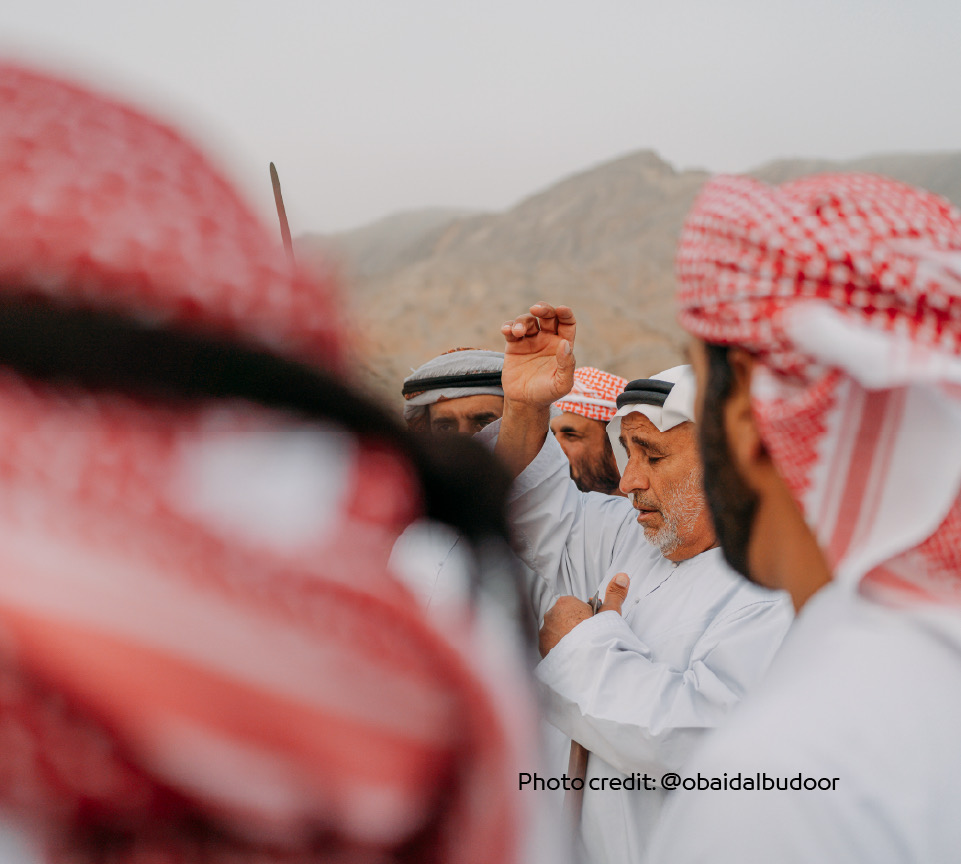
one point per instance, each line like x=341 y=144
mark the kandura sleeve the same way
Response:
x=567 y=537
x=603 y=688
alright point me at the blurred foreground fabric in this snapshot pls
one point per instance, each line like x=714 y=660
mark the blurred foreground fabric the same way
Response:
x=203 y=653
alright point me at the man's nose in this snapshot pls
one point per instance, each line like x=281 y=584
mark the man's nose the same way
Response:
x=635 y=478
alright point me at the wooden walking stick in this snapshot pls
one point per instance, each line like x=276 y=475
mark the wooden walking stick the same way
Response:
x=577 y=764
x=281 y=213
x=576 y=770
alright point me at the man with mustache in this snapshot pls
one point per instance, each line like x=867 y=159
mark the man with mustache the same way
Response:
x=827 y=323
x=679 y=638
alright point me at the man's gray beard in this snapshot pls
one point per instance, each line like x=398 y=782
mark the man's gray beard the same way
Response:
x=680 y=510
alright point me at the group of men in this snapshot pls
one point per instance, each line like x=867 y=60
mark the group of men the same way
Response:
x=209 y=646
x=637 y=689
x=826 y=322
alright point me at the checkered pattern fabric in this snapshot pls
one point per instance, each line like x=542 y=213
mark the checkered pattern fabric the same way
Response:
x=594 y=394
x=876 y=250
x=205 y=260
x=848 y=290
x=204 y=654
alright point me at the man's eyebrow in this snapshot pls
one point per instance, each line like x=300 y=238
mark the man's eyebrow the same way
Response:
x=570 y=430
x=483 y=415
x=648 y=445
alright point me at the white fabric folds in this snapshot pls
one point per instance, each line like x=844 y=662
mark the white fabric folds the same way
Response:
x=677 y=408
x=465 y=361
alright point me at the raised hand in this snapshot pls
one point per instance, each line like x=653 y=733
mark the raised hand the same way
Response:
x=539 y=355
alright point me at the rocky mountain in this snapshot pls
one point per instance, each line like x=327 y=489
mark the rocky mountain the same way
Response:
x=601 y=241
x=384 y=246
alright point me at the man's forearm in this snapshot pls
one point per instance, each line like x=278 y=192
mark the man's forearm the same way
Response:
x=522 y=432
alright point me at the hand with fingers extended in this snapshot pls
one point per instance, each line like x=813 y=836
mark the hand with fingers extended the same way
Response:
x=539 y=355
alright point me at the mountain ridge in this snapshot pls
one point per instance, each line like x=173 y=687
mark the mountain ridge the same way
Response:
x=601 y=239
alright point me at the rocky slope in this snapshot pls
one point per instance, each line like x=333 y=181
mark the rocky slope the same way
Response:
x=602 y=241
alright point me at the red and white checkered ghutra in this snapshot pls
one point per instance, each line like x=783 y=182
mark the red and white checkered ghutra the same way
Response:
x=594 y=394
x=204 y=656
x=848 y=290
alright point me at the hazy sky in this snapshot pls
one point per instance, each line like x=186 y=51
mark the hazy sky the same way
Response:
x=373 y=106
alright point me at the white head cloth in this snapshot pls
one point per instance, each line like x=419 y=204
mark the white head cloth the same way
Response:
x=678 y=408
x=460 y=361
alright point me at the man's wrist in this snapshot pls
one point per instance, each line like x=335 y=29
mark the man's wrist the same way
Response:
x=523 y=429
x=528 y=414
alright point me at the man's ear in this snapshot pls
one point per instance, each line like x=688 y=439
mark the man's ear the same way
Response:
x=747 y=450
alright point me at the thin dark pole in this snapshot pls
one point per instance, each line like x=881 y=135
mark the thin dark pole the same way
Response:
x=281 y=213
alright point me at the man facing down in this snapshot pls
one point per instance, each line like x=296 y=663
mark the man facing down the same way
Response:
x=679 y=639
x=830 y=314
x=581 y=429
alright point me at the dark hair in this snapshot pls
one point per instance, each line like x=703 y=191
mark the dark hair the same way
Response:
x=732 y=503
x=720 y=375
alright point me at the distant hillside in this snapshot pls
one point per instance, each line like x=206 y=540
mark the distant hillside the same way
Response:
x=602 y=241
x=384 y=245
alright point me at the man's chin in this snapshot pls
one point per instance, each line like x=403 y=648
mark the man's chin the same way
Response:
x=663 y=539
x=595 y=478
x=651 y=532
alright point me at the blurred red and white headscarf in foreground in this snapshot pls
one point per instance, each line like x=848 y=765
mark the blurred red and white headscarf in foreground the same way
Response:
x=594 y=394
x=848 y=290
x=203 y=656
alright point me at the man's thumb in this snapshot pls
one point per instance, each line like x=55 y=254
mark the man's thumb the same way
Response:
x=564 y=376
x=616 y=593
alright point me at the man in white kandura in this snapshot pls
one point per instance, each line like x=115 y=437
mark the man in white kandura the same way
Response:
x=455 y=393
x=680 y=637
x=831 y=424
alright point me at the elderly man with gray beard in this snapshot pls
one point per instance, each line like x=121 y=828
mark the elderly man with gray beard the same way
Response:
x=678 y=639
